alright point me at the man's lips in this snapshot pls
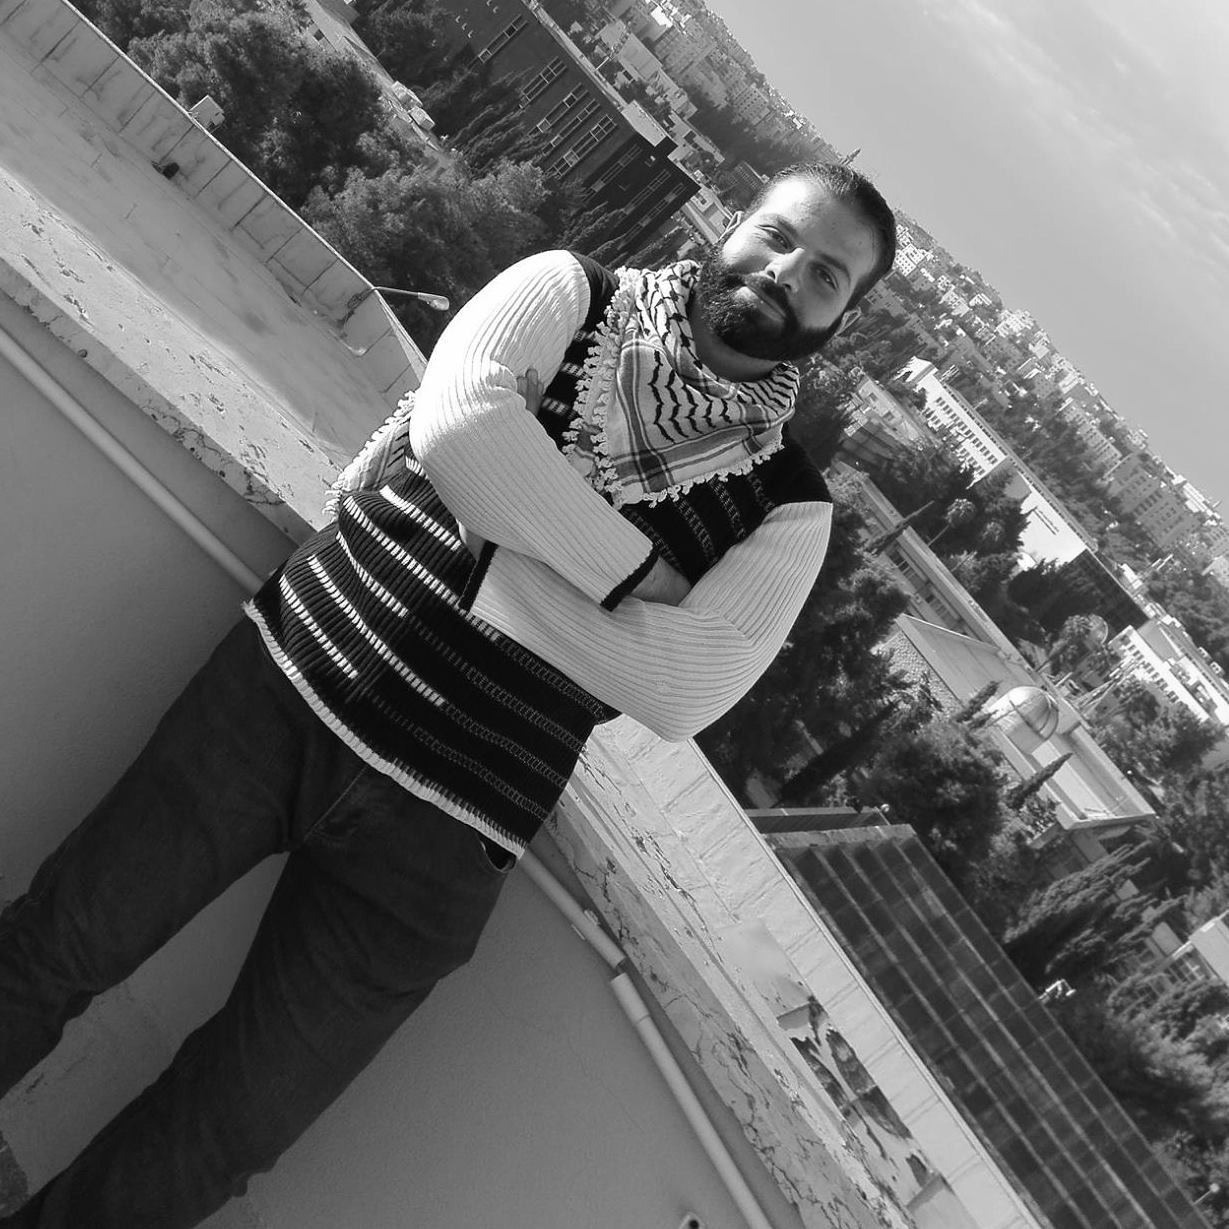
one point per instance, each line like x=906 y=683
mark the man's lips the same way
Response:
x=765 y=299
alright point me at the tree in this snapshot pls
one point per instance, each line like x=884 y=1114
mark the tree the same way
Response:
x=944 y=783
x=973 y=706
x=454 y=100
x=446 y=230
x=1151 y=745
x=294 y=111
x=803 y=786
x=958 y=512
x=982 y=575
x=1206 y=900
x=1020 y=793
x=1082 y=923
x=826 y=680
x=823 y=409
x=1180 y=1009
x=1200 y=603
x=925 y=472
x=409 y=38
x=1197 y=821
x=997 y=884
x=122 y=21
x=881 y=541
x=1162 y=1083
x=1079 y=635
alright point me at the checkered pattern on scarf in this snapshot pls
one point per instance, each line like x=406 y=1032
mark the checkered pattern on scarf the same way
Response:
x=650 y=420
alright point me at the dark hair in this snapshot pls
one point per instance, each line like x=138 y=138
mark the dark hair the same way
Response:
x=854 y=189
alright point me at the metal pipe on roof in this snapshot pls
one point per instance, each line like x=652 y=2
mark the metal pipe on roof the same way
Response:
x=586 y=924
x=115 y=452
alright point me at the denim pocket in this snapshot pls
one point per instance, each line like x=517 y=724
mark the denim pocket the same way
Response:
x=492 y=856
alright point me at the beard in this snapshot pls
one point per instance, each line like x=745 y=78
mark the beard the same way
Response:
x=744 y=326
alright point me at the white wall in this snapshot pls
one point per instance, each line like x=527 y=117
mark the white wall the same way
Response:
x=518 y=1096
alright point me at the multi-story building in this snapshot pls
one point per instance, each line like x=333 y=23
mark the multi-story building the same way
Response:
x=1203 y=957
x=1051 y=533
x=330 y=22
x=750 y=104
x=1017 y=323
x=707 y=215
x=744 y=181
x=908 y=257
x=1166 y=519
x=1004 y=351
x=639 y=64
x=1161 y=655
x=1132 y=480
x=621 y=158
x=1022 y=1086
x=1215 y=536
x=1152 y=500
x=1103 y=454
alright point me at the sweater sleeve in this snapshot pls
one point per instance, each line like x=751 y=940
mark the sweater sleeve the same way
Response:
x=674 y=669
x=492 y=463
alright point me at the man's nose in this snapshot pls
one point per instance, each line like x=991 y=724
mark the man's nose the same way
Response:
x=786 y=268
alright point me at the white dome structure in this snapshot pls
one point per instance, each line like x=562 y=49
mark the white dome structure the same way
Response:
x=1027 y=715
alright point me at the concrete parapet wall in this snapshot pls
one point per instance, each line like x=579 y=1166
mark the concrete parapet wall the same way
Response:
x=138 y=111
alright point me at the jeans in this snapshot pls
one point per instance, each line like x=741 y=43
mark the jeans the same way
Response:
x=382 y=895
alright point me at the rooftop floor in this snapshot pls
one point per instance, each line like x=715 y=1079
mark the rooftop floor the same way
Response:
x=166 y=302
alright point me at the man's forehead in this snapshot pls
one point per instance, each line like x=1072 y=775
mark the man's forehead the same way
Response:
x=800 y=195
x=813 y=212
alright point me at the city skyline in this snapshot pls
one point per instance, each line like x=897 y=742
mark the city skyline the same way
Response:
x=1074 y=151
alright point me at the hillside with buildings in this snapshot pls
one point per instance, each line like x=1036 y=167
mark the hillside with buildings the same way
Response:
x=1019 y=644
x=1024 y=610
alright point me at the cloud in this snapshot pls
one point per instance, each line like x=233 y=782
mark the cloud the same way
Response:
x=1092 y=85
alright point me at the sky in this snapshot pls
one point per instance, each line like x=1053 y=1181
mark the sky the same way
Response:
x=1076 y=152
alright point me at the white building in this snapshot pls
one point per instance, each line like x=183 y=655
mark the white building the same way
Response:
x=330 y=23
x=1051 y=534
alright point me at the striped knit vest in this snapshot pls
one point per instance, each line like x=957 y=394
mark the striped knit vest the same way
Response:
x=370 y=620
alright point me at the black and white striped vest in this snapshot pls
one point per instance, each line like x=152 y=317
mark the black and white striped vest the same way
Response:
x=370 y=619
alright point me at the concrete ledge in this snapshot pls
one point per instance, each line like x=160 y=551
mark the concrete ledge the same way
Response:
x=617 y=829
x=133 y=106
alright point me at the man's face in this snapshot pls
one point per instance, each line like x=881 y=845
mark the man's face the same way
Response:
x=777 y=285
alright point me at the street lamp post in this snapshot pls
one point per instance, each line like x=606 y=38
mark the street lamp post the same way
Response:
x=437 y=301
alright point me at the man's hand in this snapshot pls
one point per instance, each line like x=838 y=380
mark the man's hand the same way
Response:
x=664 y=584
x=530 y=387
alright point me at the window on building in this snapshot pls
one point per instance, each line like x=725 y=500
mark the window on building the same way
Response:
x=503 y=38
x=534 y=87
x=571 y=99
x=646 y=196
x=1188 y=966
x=592 y=139
x=563 y=136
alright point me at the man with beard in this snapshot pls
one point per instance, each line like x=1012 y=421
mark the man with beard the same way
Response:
x=410 y=692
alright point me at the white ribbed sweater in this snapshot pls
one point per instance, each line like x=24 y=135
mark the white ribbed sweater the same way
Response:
x=563 y=548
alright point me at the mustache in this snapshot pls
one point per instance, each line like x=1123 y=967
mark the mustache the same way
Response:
x=768 y=289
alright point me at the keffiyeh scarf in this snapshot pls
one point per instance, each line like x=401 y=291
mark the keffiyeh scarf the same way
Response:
x=649 y=420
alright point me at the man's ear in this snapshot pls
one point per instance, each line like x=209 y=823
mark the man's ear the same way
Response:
x=849 y=318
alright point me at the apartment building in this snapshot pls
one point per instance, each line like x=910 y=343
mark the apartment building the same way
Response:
x=622 y=159
x=1152 y=501
x=1051 y=533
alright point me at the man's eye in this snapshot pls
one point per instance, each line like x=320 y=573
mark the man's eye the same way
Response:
x=826 y=277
